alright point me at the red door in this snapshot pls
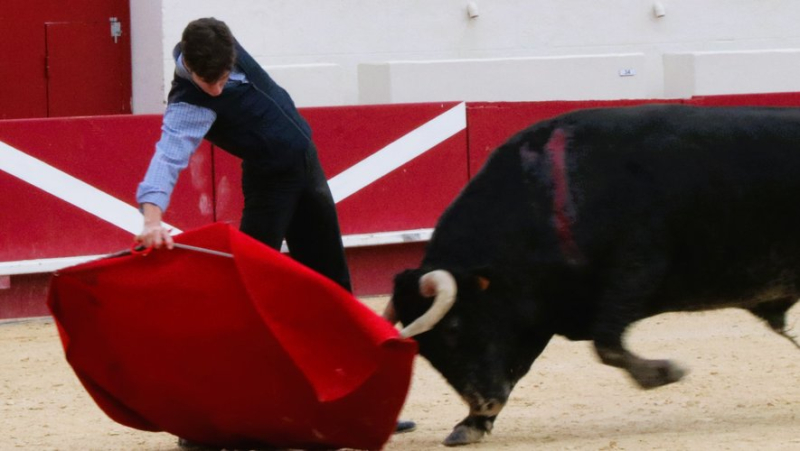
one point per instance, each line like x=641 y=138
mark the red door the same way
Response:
x=88 y=70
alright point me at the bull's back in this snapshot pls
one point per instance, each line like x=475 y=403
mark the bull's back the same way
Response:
x=713 y=192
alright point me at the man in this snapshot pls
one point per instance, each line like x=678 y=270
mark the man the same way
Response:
x=220 y=93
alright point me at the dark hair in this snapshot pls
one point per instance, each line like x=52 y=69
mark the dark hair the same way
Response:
x=208 y=48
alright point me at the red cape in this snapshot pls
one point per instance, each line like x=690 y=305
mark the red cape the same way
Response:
x=251 y=350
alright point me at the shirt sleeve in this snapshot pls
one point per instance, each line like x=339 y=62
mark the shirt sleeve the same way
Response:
x=182 y=131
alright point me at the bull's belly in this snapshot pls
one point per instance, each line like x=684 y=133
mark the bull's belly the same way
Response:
x=719 y=294
x=582 y=327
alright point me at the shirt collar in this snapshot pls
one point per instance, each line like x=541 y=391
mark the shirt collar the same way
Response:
x=181 y=69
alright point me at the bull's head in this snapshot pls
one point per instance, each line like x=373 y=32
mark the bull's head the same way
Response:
x=468 y=330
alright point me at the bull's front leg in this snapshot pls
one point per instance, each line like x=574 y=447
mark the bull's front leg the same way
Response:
x=483 y=410
x=487 y=395
x=646 y=372
x=631 y=286
x=470 y=430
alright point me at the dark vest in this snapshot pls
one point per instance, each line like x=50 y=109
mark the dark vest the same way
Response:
x=256 y=121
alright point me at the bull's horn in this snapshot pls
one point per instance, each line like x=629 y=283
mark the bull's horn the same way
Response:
x=437 y=283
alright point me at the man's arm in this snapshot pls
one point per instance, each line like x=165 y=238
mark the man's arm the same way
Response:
x=182 y=131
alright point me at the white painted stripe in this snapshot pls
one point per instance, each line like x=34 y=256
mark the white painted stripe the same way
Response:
x=72 y=190
x=399 y=152
x=359 y=240
x=43 y=265
x=381 y=238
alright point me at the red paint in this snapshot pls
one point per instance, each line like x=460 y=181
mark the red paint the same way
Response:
x=110 y=153
x=25 y=297
x=784 y=99
x=72 y=90
x=411 y=197
x=372 y=269
x=562 y=203
x=23 y=79
x=490 y=124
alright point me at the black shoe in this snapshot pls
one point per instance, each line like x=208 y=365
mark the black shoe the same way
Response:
x=405 y=426
x=194 y=446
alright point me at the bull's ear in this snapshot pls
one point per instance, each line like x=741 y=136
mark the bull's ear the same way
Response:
x=481 y=278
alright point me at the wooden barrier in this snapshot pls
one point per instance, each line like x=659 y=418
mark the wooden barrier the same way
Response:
x=67 y=186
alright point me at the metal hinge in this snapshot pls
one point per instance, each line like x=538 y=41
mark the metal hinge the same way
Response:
x=116 y=28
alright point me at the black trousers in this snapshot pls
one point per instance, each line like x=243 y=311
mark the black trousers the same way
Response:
x=296 y=205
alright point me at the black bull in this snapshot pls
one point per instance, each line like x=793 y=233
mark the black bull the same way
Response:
x=586 y=223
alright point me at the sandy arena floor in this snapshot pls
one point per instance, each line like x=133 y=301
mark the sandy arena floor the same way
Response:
x=743 y=393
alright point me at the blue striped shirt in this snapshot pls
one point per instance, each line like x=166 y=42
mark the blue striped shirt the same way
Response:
x=182 y=130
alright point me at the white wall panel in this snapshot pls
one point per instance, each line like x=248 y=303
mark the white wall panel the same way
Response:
x=713 y=73
x=147 y=58
x=349 y=33
x=594 y=77
x=311 y=84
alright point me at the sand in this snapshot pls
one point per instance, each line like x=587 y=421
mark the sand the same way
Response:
x=743 y=393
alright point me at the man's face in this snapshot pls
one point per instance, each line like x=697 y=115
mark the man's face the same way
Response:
x=211 y=88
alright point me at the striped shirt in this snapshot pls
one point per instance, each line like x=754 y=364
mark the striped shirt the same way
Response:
x=182 y=130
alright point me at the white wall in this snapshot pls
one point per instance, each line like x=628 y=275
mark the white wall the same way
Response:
x=711 y=73
x=147 y=56
x=594 y=77
x=343 y=34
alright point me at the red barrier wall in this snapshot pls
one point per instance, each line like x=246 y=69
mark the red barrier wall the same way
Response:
x=490 y=124
x=786 y=99
x=111 y=155
x=410 y=197
x=24 y=48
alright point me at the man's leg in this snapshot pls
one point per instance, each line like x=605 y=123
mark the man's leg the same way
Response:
x=308 y=220
x=314 y=237
x=270 y=200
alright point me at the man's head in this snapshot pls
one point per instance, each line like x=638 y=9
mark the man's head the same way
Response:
x=208 y=52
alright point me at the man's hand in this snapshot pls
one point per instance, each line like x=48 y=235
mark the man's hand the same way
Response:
x=154 y=234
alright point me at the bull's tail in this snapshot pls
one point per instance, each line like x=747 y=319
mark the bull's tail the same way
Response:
x=785 y=333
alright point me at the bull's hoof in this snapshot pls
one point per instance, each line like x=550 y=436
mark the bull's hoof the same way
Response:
x=463 y=435
x=656 y=373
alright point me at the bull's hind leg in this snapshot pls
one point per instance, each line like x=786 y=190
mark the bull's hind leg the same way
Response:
x=774 y=313
x=625 y=301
